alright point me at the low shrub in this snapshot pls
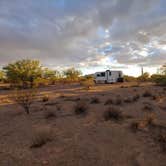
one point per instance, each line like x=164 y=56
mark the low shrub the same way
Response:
x=154 y=97
x=129 y=78
x=135 y=85
x=40 y=137
x=159 y=79
x=136 y=97
x=117 y=101
x=134 y=126
x=161 y=139
x=148 y=107
x=112 y=113
x=123 y=86
x=128 y=100
x=50 y=114
x=144 y=77
x=147 y=94
x=95 y=100
x=24 y=98
x=62 y=96
x=45 y=98
x=87 y=84
x=58 y=107
x=81 y=108
x=150 y=119
x=108 y=102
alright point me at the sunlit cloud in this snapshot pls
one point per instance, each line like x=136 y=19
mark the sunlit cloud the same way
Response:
x=91 y=35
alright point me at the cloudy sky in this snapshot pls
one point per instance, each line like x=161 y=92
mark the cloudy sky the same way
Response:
x=91 y=35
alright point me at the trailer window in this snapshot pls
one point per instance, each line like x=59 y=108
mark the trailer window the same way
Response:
x=110 y=73
x=98 y=75
x=120 y=74
x=102 y=74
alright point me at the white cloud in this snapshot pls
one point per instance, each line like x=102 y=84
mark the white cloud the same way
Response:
x=84 y=33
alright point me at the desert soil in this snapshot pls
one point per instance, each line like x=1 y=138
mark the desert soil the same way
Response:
x=85 y=140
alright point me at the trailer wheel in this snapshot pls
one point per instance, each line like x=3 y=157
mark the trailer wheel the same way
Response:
x=120 y=80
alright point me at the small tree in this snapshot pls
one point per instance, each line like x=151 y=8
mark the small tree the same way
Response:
x=2 y=76
x=144 y=77
x=72 y=74
x=88 y=83
x=47 y=73
x=23 y=72
x=162 y=70
x=161 y=77
x=129 y=78
x=25 y=98
x=51 y=75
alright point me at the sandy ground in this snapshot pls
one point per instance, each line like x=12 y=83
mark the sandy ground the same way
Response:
x=89 y=140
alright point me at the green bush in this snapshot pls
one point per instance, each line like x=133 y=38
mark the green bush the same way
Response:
x=112 y=113
x=80 y=108
x=40 y=137
x=129 y=78
x=159 y=79
x=72 y=74
x=2 y=76
x=25 y=98
x=144 y=77
x=23 y=72
x=88 y=83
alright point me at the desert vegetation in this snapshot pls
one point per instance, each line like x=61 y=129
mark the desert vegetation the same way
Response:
x=61 y=116
x=81 y=108
x=113 y=114
x=40 y=137
x=24 y=98
x=29 y=73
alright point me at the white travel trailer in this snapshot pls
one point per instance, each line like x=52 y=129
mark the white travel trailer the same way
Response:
x=108 y=76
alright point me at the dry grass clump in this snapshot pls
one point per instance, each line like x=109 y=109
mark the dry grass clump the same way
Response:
x=62 y=96
x=134 y=126
x=147 y=94
x=108 y=102
x=163 y=107
x=81 y=108
x=128 y=100
x=117 y=101
x=161 y=139
x=132 y=99
x=50 y=114
x=136 y=97
x=58 y=107
x=135 y=90
x=41 y=136
x=87 y=84
x=77 y=99
x=150 y=119
x=124 y=86
x=154 y=97
x=45 y=98
x=95 y=100
x=24 y=98
x=148 y=107
x=113 y=113
x=135 y=85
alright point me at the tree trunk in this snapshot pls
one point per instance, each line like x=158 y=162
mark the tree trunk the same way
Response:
x=27 y=110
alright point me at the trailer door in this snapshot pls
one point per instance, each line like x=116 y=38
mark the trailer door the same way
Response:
x=107 y=76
